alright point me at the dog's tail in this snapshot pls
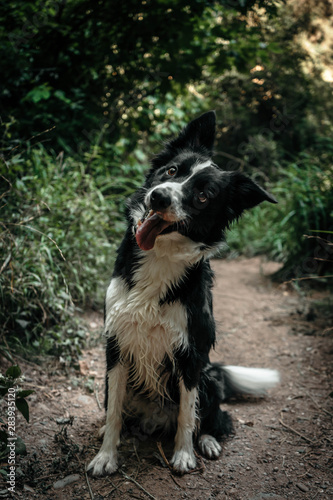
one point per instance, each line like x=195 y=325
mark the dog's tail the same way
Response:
x=237 y=380
x=256 y=381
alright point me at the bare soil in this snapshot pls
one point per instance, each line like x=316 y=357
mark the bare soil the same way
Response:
x=282 y=447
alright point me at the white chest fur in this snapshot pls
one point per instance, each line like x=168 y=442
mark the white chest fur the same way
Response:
x=147 y=331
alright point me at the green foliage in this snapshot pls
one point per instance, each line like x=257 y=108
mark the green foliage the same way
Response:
x=304 y=192
x=272 y=108
x=75 y=65
x=60 y=224
x=275 y=124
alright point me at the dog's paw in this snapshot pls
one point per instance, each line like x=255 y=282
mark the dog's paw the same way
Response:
x=183 y=461
x=209 y=447
x=103 y=463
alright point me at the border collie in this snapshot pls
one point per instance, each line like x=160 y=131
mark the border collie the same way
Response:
x=159 y=322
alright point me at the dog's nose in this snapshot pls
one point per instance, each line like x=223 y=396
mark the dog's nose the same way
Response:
x=160 y=199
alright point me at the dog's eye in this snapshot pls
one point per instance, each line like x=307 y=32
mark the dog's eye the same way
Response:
x=172 y=171
x=202 y=197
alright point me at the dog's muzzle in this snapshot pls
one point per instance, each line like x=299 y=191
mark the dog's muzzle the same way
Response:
x=159 y=199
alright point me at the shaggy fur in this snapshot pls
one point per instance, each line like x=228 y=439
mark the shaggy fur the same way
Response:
x=159 y=321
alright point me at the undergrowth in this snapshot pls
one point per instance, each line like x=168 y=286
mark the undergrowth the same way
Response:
x=60 y=225
x=294 y=231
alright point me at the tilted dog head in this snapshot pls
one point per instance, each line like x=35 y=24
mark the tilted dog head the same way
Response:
x=186 y=192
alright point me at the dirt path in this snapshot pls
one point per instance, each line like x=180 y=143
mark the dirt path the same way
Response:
x=283 y=443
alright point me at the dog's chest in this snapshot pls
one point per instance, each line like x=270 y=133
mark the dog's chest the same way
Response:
x=147 y=331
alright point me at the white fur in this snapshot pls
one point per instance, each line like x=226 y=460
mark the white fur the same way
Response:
x=183 y=457
x=137 y=213
x=145 y=330
x=208 y=446
x=252 y=380
x=178 y=248
x=175 y=189
x=106 y=458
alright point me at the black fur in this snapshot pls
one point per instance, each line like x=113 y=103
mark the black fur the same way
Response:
x=228 y=195
x=211 y=200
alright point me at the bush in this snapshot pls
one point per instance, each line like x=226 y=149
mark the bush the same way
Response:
x=60 y=225
x=304 y=192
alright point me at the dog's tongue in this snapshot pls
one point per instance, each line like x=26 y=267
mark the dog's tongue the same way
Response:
x=148 y=231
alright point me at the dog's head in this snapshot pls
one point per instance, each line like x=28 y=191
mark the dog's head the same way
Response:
x=187 y=193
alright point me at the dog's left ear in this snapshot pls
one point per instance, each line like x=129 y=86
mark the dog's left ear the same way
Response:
x=198 y=135
x=245 y=194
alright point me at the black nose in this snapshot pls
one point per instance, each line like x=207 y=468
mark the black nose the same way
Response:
x=160 y=199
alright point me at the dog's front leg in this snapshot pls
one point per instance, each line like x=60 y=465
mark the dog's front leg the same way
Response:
x=106 y=459
x=183 y=457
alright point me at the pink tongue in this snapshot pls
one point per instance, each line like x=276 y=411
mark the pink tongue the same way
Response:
x=147 y=233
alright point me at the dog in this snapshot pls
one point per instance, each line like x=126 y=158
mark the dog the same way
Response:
x=159 y=322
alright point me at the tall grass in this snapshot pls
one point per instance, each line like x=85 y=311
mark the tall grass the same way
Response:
x=61 y=221
x=303 y=189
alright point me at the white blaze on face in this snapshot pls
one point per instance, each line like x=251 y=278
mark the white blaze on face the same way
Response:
x=166 y=208
x=175 y=190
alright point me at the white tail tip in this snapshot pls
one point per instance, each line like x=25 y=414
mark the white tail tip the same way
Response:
x=252 y=380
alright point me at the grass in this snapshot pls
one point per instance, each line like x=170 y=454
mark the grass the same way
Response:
x=61 y=221
x=304 y=192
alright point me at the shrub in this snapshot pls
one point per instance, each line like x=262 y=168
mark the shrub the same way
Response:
x=61 y=220
x=304 y=192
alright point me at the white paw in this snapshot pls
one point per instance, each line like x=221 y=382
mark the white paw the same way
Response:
x=103 y=463
x=183 y=461
x=208 y=446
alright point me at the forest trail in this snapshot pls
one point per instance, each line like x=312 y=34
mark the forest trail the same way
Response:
x=282 y=446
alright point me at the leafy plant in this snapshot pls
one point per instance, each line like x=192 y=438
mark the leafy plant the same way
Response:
x=61 y=221
x=140 y=51
x=304 y=192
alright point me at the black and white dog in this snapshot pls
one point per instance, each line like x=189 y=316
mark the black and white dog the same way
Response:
x=159 y=321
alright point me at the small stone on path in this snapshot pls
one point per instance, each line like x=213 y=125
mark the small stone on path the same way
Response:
x=65 y=481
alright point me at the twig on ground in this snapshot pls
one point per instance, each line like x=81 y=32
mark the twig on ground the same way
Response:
x=160 y=449
x=166 y=461
x=129 y=478
x=296 y=432
x=48 y=476
x=176 y=482
x=317 y=405
x=43 y=431
x=114 y=486
x=136 y=453
x=305 y=278
x=202 y=467
x=88 y=484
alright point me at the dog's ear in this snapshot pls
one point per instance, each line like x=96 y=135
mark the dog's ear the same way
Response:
x=198 y=135
x=245 y=194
